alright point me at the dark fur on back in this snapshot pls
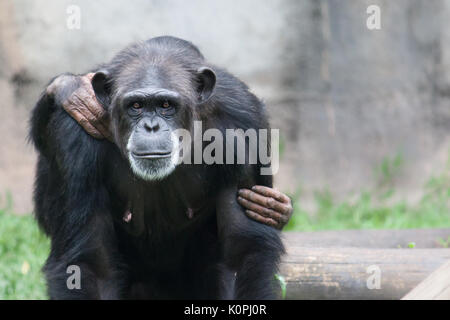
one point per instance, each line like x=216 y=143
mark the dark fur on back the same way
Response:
x=83 y=187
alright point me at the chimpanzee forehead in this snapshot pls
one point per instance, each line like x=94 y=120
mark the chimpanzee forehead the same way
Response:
x=143 y=74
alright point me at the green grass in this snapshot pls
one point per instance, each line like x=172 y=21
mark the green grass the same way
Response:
x=23 y=250
x=367 y=213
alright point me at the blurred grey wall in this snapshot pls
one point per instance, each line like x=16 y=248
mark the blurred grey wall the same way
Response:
x=344 y=97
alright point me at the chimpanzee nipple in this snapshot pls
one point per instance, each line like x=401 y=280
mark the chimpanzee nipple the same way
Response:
x=190 y=213
x=127 y=216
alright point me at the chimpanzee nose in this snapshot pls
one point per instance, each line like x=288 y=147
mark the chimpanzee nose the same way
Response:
x=151 y=125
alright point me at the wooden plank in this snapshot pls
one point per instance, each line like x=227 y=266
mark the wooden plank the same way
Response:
x=423 y=238
x=435 y=287
x=342 y=273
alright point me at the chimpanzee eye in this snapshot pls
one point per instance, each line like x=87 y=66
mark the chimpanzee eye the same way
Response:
x=136 y=105
x=166 y=109
x=134 y=109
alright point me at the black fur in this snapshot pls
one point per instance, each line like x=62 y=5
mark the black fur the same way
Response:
x=83 y=187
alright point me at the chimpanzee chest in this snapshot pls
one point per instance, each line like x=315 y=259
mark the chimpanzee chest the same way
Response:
x=167 y=206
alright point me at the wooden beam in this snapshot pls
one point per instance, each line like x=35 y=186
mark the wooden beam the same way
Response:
x=343 y=273
x=423 y=238
x=435 y=287
x=331 y=271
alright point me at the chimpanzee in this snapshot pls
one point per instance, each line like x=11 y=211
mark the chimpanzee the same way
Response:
x=183 y=234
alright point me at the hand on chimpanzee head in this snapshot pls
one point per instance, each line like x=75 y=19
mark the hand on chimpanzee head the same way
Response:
x=76 y=95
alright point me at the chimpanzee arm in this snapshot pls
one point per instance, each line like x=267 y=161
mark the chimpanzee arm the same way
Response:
x=250 y=249
x=76 y=218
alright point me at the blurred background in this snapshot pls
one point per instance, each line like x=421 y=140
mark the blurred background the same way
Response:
x=363 y=114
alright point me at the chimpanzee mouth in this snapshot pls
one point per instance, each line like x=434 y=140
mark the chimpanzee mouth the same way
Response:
x=152 y=155
x=154 y=163
x=152 y=166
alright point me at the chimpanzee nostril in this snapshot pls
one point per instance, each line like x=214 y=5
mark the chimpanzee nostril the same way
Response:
x=151 y=125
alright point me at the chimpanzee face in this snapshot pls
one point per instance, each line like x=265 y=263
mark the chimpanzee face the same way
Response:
x=149 y=117
x=146 y=107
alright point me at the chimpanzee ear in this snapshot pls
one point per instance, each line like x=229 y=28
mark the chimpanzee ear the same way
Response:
x=101 y=86
x=207 y=81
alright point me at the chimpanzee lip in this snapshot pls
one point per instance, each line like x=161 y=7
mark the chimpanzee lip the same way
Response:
x=152 y=155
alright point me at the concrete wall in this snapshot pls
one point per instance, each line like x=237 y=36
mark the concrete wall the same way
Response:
x=344 y=97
